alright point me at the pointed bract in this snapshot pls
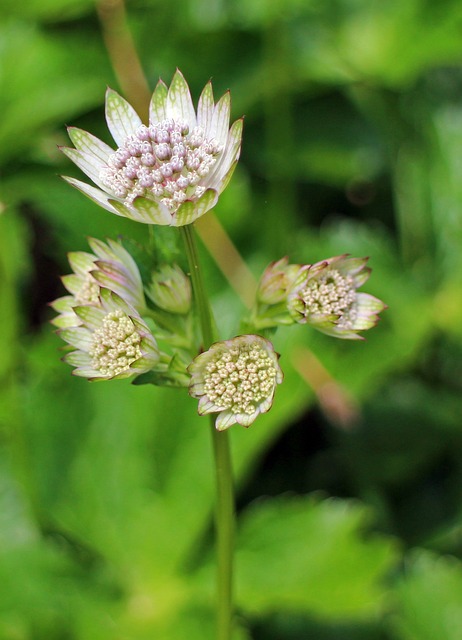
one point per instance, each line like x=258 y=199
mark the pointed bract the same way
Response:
x=179 y=102
x=89 y=164
x=205 y=109
x=122 y=119
x=220 y=119
x=157 y=111
x=87 y=142
x=190 y=211
x=99 y=197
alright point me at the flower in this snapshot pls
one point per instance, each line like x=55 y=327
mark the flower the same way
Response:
x=112 y=341
x=236 y=379
x=169 y=172
x=170 y=289
x=270 y=309
x=110 y=266
x=275 y=281
x=325 y=296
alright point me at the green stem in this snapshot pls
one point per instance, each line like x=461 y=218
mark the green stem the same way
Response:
x=202 y=303
x=224 y=522
x=224 y=510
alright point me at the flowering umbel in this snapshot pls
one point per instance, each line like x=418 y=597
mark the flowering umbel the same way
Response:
x=109 y=266
x=112 y=341
x=325 y=296
x=236 y=379
x=170 y=172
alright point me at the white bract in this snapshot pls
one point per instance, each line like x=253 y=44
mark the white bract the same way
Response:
x=169 y=172
x=236 y=379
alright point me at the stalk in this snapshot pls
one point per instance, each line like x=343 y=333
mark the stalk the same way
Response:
x=224 y=509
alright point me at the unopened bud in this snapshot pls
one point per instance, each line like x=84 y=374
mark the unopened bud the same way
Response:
x=171 y=289
x=276 y=280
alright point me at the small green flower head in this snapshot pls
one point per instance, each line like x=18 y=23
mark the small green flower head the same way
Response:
x=171 y=289
x=325 y=296
x=111 y=342
x=236 y=379
x=170 y=172
x=110 y=266
x=276 y=280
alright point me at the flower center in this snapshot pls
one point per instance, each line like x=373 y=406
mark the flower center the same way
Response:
x=164 y=161
x=240 y=378
x=330 y=293
x=88 y=292
x=116 y=344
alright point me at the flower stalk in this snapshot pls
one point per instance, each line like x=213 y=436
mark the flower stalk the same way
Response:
x=224 y=510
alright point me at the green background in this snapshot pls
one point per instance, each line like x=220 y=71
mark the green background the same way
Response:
x=350 y=502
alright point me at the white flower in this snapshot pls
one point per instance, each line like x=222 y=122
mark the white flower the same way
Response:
x=170 y=172
x=236 y=379
x=110 y=266
x=112 y=341
x=325 y=296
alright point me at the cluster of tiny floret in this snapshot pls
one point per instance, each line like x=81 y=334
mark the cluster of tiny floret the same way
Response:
x=165 y=161
x=240 y=378
x=88 y=292
x=116 y=344
x=331 y=293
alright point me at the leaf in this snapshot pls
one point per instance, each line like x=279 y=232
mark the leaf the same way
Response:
x=429 y=598
x=300 y=554
x=32 y=102
x=46 y=9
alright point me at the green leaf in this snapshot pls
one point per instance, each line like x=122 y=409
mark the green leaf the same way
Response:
x=32 y=102
x=429 y=598
x=47 y=9
x=299 y=554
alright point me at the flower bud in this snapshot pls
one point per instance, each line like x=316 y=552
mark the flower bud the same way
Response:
x=276 y=280
x=171 y=290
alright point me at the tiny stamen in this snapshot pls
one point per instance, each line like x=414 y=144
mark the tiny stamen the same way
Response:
x=331 y=293
x=88 y=292
x=116 y=344
x=163 y=161
x=240 y=379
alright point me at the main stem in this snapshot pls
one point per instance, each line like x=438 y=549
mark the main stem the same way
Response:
x=224 y=510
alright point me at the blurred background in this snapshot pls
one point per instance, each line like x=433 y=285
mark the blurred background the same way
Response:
x=350 y=489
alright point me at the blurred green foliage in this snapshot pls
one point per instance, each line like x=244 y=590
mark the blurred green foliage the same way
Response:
x=352 y=143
